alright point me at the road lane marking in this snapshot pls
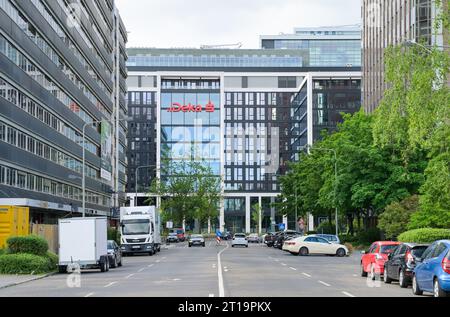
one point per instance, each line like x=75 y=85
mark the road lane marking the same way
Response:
x=141 y=270
x=211 y=295
x=293 y=268
x=355 y=275
x=110 y=284
x=348 y=294
x=129 y=276
x=283 y=264
x=219 y=272
x=89 y=295
x=323 y=283
x=157 y=261
x=150 y=265
x=306 y=274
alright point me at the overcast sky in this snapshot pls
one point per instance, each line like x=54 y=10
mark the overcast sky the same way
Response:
x=192 y=23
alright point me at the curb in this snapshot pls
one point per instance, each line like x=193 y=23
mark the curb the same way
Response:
x=27 y=281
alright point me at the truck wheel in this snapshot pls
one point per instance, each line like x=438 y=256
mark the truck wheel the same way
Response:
x=62 y=269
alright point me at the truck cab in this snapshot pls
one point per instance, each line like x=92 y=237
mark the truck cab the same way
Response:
x=139 y=228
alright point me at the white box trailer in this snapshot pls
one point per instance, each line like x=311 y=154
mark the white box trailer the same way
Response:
x=83 y=243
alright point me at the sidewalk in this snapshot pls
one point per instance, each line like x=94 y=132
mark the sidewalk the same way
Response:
x=12 y=280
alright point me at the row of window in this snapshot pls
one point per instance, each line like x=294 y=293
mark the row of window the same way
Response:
x=251 y=187
x=249 y=114
x=25 y=142
x=16 y=97
x=144 y=98
x=190 y=84
x=240 y=158
x=250 y=99
x=248 y=174
x=10 y=51
x=19 y=179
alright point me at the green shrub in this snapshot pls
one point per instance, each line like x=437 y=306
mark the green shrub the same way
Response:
x=347 y=238
x=326 y=228
x=53 y=260
x=397 y=216
x=368 y=236
x=114 y=234
x=2 y=251
x=425 y=235
x=24 y=264
x=30 y=244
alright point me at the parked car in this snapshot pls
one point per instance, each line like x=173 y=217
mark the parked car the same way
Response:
x=196 y=239
x=283 y=236
x=372 y=261
x=330 y=237
x=180 y=234
x=401 y=263
x=239 y=239
x=226 y=235
x=305 y=245
x=172 y=237
x=253 y=238
x=269 y=238
x=432 y=272
x=114 y=254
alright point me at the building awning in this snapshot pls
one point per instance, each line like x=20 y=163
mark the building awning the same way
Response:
x=25 y=202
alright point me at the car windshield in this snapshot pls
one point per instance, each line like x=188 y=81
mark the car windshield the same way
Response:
x=386 y=249
x=173 y=234
x=110 y=245
x=136 y=227
x=196 y=236
x=418 y=251
x=239 y=236
x=180 y=231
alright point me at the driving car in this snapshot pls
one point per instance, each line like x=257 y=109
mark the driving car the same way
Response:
x=330 y=237
x=114 y=254
x=372 y=261
x=306 y=245
x=180 y=234
x=226 y=235
x=401 y=263
x=196 y=239
x=432 y=272
x=172 y=237
x=239 y=239
x=253 y=238
x=283 y=236
x=269 y=238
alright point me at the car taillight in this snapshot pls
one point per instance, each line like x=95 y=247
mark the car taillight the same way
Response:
x=446 y=265
x=409 y=257
x=290 y=243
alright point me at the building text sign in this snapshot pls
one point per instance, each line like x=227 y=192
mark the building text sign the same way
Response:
x=176 y=107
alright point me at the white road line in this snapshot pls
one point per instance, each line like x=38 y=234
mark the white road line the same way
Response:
x=355 y=275
x=219 y=272
x=306 y=274
x=283 y=264
x=211 y=295
x=141 y=270
x=89 y=295
x=110 y=284
x=129 y=276
x=323 y=283
x=157 y=261
x=150 y=265
x=348 y=294
x=293 y=268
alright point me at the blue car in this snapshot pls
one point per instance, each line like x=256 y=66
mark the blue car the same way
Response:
x=432 y=273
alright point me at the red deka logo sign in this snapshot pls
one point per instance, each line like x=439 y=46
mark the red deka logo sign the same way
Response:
x=176 y=107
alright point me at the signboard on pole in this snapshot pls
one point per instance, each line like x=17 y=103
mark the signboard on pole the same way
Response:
x=106 y=148
x=169 y=225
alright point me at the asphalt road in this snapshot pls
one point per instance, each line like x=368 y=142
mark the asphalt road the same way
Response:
x=214 y=271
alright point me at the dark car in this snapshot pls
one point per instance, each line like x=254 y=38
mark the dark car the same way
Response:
x=114 y=254
x=226 y=235
x=401 y=263
x=283 y=236
x=270 y=237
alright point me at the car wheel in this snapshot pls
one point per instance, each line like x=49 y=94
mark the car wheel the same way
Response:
x=403 y=282
x=114 y=263
x=204 y=245
x=363 y=272
x=232 y=245
x=62 y=269
x=246 y=246
x=415 y=287
x=120 y=263
x=341 y=253
x=304 y=251
x=386 y=278
x=438 y=291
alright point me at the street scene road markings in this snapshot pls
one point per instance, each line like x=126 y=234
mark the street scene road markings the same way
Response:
x=150 y=265
x=141 y=270
x=129 y=276
x=219 y=273
x=283 y=264
x=110 y=284
x=323 y=283
x=306 y=274
x=293 y=268
x=157 y=261
x=89 y=295
x=348 y=294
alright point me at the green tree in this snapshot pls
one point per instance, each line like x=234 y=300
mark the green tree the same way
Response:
x=396 y=217
x=256 y=216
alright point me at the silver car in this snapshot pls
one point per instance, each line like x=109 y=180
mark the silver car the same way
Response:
x=196 y=239
x=239 y=239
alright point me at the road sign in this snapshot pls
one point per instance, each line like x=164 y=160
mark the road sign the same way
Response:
x=281 y=226
x=169 y=225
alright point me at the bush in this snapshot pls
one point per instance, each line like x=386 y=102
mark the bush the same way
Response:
x=425 y=235
x=326 y=228
x=53 y=261
x=347 y=238
x=24 y=264
x=114 y=234
x=2 y=251
x=397 y=216
x=368 y=236
x=30 y=244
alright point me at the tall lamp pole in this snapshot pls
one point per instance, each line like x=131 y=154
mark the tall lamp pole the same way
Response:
x=84 y=156
x=136 y=178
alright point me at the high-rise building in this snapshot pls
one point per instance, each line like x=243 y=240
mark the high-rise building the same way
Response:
x=62 y=70
x=388 y=22
x=244 y=113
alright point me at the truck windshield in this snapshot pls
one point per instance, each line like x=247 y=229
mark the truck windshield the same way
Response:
x=136 y=227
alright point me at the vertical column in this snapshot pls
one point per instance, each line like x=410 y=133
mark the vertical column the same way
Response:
x=272 y=214
x=285 y=221
x=261 y=214
x=247 y=214
x=222 y=215
x=309 y=114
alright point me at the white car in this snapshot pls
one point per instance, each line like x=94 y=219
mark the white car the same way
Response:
x=314 y=245
x=239 y=239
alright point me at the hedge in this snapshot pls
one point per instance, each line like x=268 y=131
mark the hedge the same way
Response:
x=25 y=264
x=30 y=244
x=426 y=235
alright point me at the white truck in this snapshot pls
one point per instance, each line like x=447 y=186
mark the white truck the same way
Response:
x=83 y=244
x=140 y=230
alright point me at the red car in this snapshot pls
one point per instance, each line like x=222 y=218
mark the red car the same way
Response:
x=180 y=234
x=372 y=261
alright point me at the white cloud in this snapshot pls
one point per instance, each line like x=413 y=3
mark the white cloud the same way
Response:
x=191 y=23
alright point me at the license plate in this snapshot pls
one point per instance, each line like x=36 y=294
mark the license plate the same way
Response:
x=136 y=247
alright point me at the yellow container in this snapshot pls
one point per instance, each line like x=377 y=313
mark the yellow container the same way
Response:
x=14 y=221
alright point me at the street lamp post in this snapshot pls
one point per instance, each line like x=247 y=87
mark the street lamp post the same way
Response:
x=136 y=179
x=335 y=183
x=83 y=181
